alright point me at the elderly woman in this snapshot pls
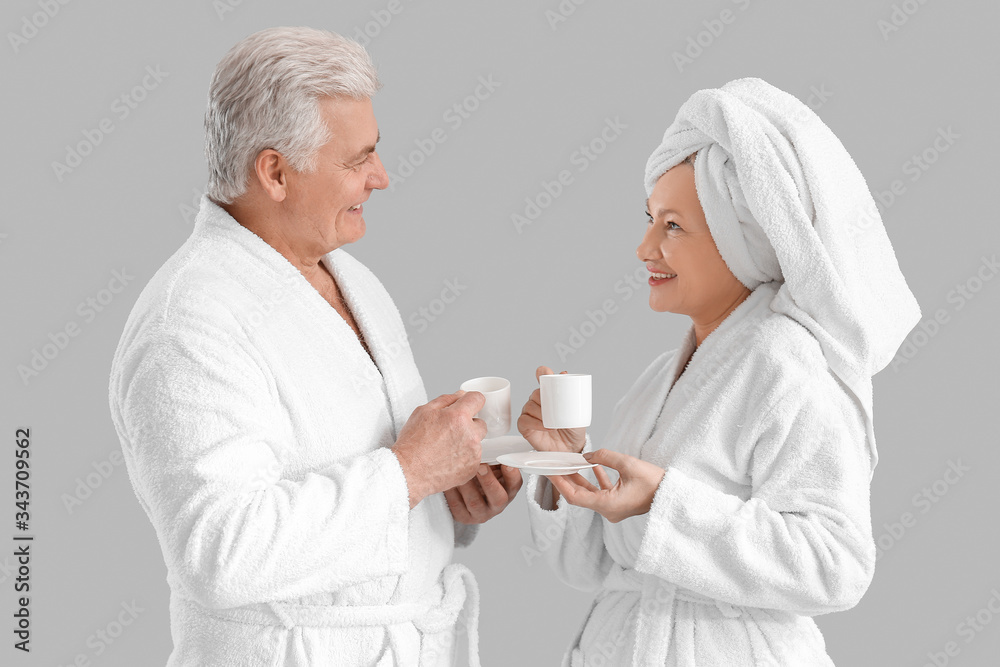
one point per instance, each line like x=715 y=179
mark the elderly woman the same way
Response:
x=744 y=457
x=273 y=422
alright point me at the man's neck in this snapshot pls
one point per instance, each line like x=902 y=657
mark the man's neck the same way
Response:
x=270 y=229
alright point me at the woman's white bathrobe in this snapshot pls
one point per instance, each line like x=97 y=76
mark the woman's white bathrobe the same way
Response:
x=255 y=430
x=761 y=521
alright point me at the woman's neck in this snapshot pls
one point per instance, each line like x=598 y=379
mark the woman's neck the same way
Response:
x=704 y=327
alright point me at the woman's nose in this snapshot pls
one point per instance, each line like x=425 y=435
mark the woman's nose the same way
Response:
x=647 y=250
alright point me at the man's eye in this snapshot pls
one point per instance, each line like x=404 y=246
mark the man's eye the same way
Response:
x=362 y=163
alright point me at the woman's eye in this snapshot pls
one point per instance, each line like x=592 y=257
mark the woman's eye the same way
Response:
x=675 y=225
x=649 y=218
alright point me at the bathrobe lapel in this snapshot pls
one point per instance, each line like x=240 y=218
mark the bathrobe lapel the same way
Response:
x=639 y=420
x=383 y=331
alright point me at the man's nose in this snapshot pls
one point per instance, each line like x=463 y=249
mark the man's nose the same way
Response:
x=378 y=179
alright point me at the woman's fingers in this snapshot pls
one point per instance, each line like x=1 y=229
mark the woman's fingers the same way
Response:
x=602 y=478
x=543 y=370
x=531 y=414
x=610 y=458
x=577 y=490
x=533 y=409
x=581 y=481
x=528 y=425
x=565 y=488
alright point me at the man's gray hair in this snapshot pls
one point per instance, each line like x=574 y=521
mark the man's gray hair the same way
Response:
x=264 y=94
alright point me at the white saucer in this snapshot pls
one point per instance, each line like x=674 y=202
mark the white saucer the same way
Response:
x=504 y=444
x=546 y=463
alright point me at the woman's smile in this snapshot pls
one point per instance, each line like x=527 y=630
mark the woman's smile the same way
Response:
x=660 y=278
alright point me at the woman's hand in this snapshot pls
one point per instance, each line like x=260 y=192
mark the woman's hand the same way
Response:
x=544 y=439
x=631 y=495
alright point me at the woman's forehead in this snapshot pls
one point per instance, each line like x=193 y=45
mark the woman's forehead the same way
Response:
x=674 y=192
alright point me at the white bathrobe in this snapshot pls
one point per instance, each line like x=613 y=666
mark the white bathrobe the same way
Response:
x=762 y=518
x=256 y=432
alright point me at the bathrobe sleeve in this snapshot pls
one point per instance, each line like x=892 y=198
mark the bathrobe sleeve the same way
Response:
x=196 y=409
x=569 y=538
x=802 y=542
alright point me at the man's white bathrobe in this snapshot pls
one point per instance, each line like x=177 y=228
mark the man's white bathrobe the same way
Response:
x=761 y=521
x=256 y=432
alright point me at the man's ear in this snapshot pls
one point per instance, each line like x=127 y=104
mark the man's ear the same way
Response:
x=272 y=170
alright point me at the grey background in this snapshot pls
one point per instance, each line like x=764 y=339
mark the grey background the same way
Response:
x=123 y=207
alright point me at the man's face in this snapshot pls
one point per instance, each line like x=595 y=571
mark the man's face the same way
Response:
x=322 y=203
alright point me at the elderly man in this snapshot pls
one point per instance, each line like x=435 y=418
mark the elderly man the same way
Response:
x=274 y=425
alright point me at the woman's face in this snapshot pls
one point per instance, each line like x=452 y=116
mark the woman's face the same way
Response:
x=677 y=242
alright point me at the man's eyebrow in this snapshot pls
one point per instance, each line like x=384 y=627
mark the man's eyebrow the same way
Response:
x=663 y=211
x=363 y=153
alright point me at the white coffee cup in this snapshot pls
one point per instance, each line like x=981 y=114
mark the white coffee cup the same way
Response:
x=566 y=400
x=496 y=411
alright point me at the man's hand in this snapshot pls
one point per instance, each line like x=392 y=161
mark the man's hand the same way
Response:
x=439 y=447
x=486 y=495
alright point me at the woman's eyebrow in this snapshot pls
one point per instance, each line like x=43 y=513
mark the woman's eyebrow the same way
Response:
x=663 y=211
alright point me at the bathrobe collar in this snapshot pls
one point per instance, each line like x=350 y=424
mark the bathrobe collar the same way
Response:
x=379 y=322
x=720 y=340
x=680 y=384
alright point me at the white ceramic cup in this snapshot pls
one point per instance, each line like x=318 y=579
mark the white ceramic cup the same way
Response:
x=566 y=400
x=496 y=411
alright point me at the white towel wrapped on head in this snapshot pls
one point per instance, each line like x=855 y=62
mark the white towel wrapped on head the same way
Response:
x=785 y=202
